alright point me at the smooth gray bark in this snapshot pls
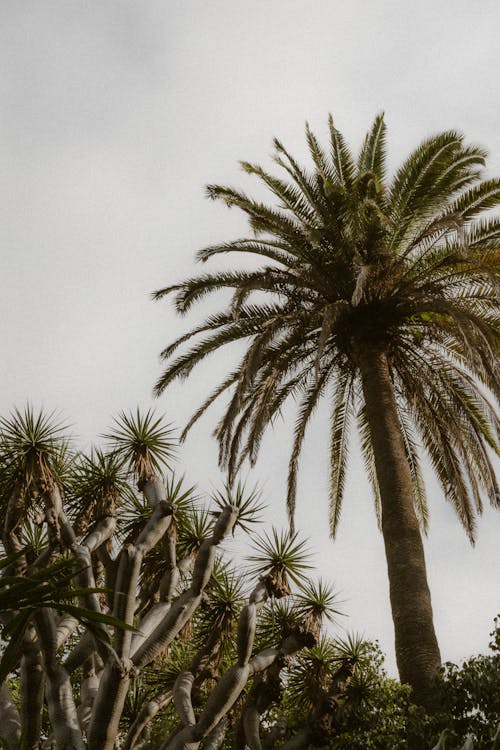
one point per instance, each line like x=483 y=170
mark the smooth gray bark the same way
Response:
x=88 y=692
x=229 y=688
x=216 y=737
x=183 y=609
x=110 y=699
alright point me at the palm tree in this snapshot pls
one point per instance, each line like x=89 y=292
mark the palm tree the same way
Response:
x=377 y=297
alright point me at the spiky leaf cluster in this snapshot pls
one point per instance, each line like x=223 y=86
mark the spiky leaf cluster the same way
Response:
x=280 y=557
x=145 y=444
x=34 y=452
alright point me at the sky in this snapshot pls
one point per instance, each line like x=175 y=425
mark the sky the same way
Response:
x=115 y=114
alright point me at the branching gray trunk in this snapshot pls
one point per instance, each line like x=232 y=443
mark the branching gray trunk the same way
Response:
x=113 y=686
x=186 y=605
x=80 y=653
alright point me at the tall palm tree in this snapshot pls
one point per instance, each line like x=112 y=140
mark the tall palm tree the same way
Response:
x=378 y=297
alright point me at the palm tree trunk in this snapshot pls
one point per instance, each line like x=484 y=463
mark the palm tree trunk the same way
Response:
x=417 y=650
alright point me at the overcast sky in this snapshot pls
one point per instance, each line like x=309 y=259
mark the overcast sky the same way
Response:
x=114 y=116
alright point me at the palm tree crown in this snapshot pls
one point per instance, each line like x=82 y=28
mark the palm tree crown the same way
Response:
x=356 y=261
x=379 y=297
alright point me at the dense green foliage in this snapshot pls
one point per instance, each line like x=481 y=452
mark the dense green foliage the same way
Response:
x=472 y=694
x=470 y=710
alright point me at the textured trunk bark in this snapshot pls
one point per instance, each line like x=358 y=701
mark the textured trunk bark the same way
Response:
x=32 y=691
x=144 y=718
x=217 y=736
x=12 y=535
x=10 y=721
x=417 y=650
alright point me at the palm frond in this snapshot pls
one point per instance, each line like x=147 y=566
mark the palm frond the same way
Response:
x=341 y=157
x=308 y=403
x=372 y=157
x=340 y=420
x=277 y=620
x=280 y=252
x=369 y=461
x=97 y=485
